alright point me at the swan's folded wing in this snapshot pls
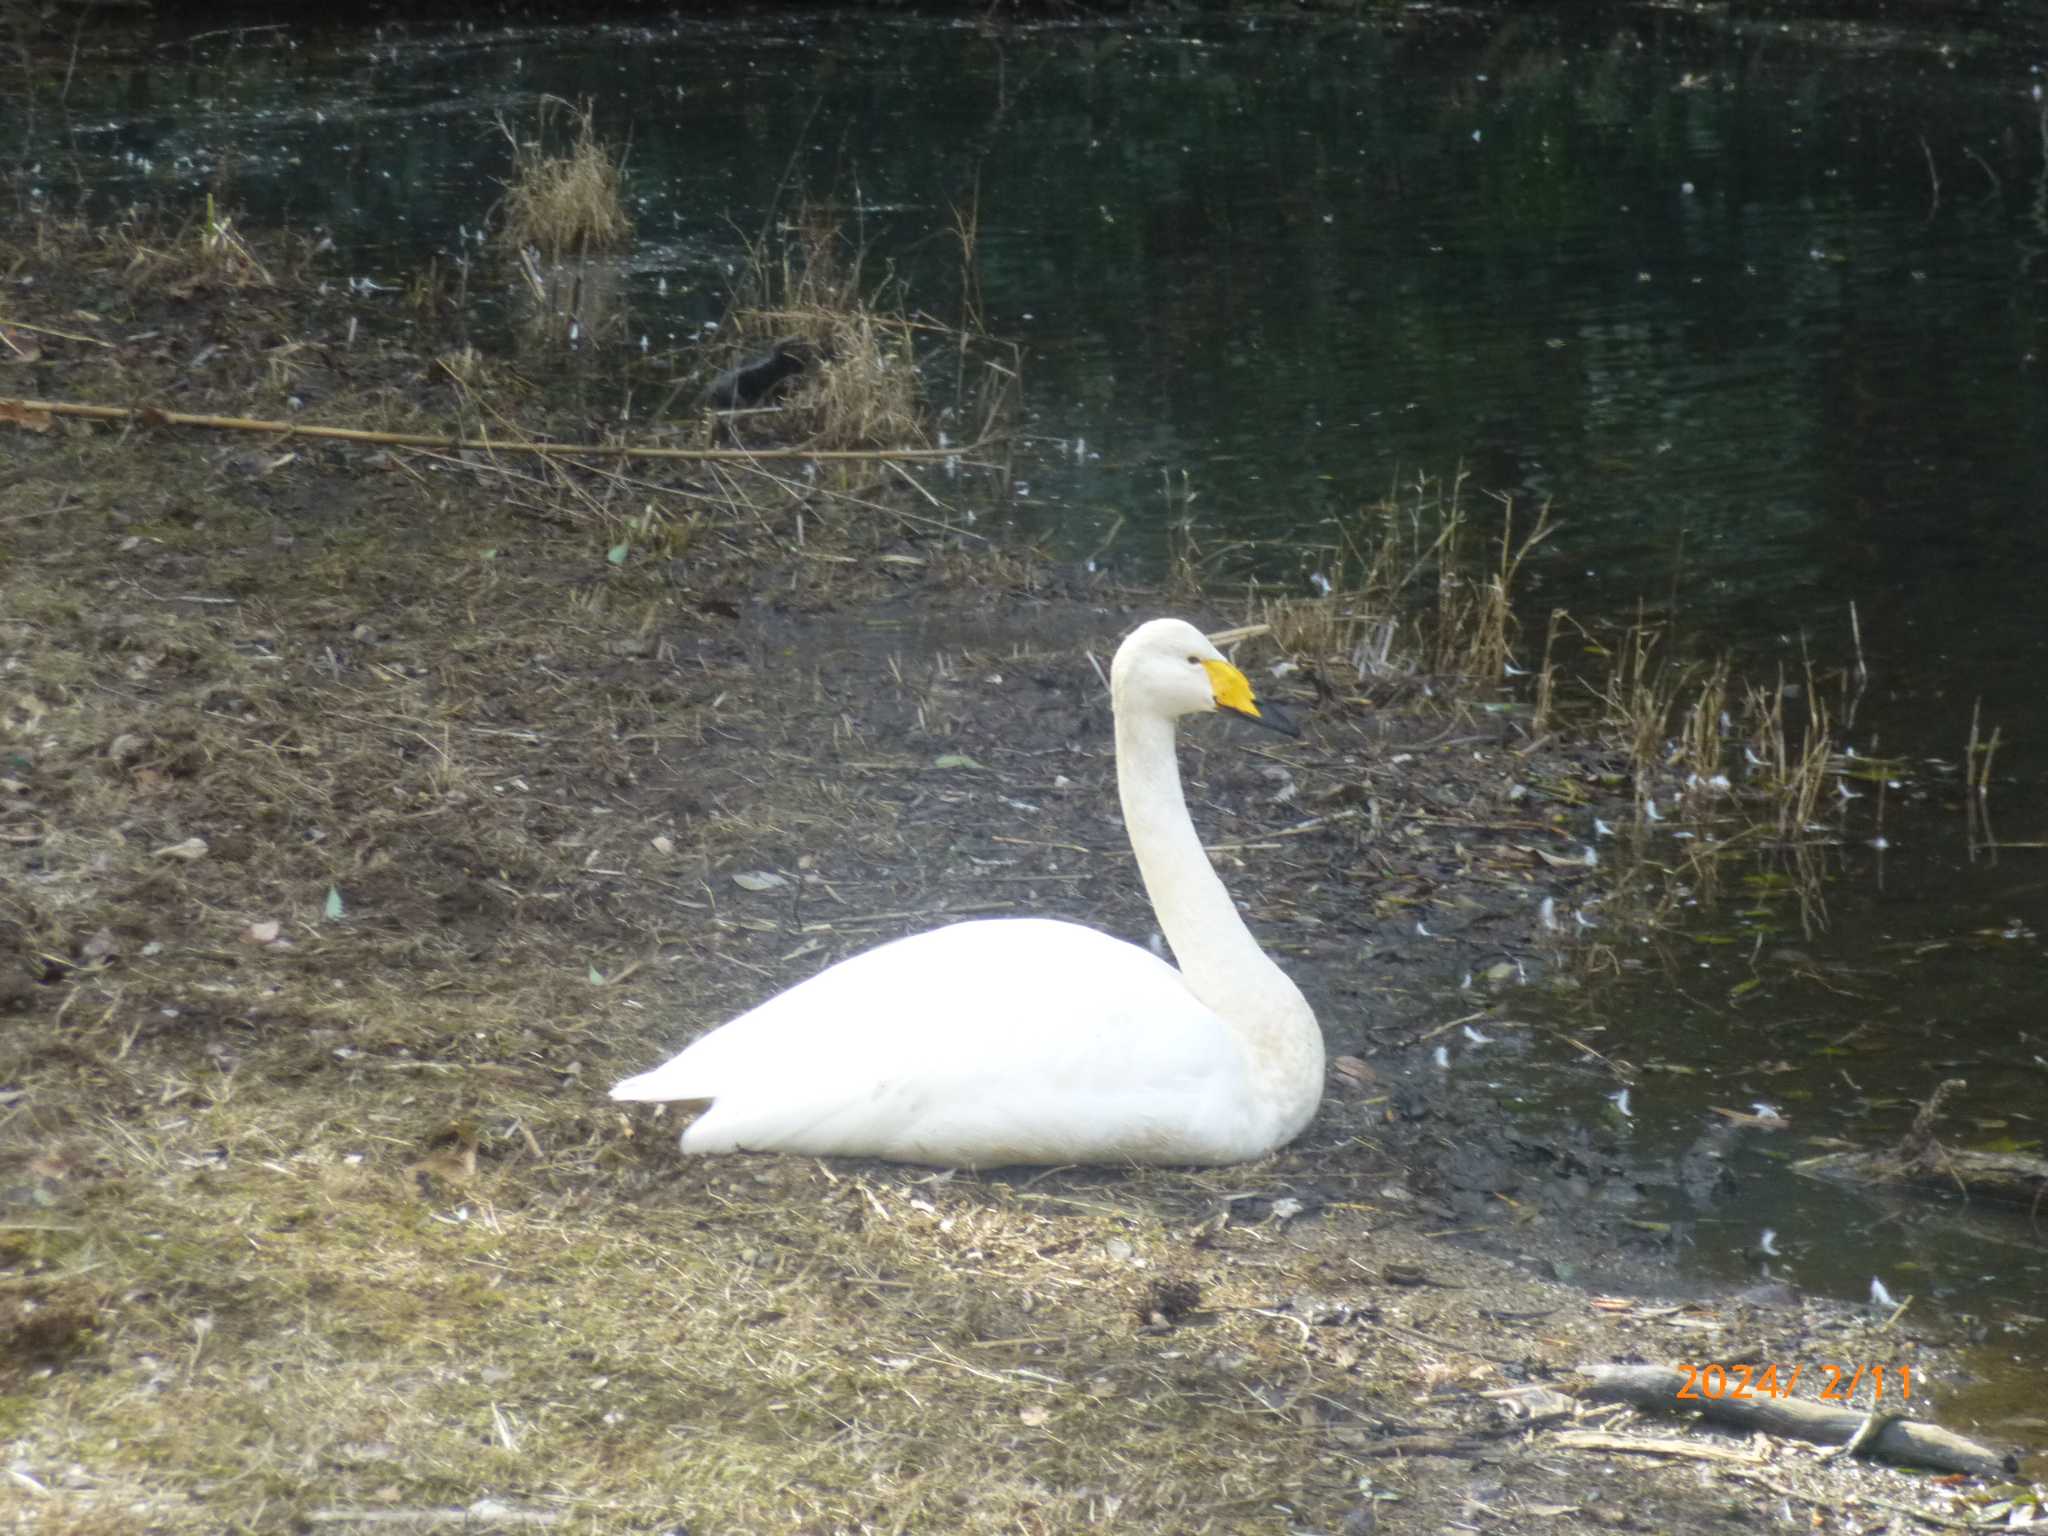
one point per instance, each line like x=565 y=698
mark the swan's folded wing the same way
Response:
x=990 y=1042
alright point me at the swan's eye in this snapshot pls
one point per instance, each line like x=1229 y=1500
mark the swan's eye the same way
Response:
x=1194 y=661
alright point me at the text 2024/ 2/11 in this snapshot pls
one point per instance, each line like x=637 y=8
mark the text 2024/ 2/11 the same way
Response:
x=1716 y=1382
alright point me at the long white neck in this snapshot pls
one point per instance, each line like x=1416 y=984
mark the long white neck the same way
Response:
x=1222 y=962
x=1219 y=959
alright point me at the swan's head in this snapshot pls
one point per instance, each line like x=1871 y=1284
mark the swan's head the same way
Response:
x=1168 y=667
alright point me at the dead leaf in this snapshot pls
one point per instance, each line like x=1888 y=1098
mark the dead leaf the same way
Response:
x=759 y=880
x=21 y=416
x=190 y=849
x=261 y=933
x=1036 y=1416
x=1555 y=861
x=454 y=1159
x=258 y=464
x=1353 y=1071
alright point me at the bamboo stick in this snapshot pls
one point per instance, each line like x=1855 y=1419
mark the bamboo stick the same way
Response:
x=150 y=416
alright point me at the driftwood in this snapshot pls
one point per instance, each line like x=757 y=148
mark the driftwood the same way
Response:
x=149 y=416
x=2006 y=1177
x=1921 y=1162
x=1907 y=1442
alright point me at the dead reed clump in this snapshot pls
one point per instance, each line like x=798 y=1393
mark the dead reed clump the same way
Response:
x=1750 y=779
x=564 y=201
x=1637 y=702
x=870 y=394
x=1476 y=626
x=1409 y=591
x=1189 y=566
x=206 y=253
x=837 y=357
x=1790 y=764
x=1702 y=735
x=1546 y=675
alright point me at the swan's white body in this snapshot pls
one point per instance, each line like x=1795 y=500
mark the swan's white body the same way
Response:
x=1029 y=1040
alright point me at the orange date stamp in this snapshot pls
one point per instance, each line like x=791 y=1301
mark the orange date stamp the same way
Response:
x=1715 y=1382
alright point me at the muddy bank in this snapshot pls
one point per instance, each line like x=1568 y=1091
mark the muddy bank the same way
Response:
x=367 y=811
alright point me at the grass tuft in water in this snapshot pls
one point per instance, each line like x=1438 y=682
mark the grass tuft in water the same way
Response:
x=564 y=198
x=1411 y=591
x=804 y=294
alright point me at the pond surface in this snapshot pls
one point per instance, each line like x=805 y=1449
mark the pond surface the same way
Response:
x=1757 y=304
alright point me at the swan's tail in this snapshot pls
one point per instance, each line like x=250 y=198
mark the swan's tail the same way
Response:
x=664 y=1085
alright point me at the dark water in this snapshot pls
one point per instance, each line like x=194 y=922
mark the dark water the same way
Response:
x=1757 y=300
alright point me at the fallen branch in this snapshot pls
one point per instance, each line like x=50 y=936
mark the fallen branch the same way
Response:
x=150 y=416
x=1685 y=1450
x=1921 y=1162
x=1904 y=1441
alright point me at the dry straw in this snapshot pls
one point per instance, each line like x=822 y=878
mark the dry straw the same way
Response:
x=804 y=288
x=564 y=201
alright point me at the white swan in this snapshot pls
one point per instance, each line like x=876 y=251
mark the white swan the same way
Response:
x=1029 y=1040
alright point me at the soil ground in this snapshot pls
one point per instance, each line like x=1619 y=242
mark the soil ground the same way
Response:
x=365 y=813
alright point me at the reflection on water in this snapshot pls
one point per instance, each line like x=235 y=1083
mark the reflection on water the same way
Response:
x=1760 y=307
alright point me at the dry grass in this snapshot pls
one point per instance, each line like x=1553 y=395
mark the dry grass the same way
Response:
x=563 y=215
x=377 y=818
x=1638 y=700
x=244 y=1203
x=1703 y=735
x=1750 y=781
x=565 y=195
x=760 y=1348
x=204 y=253
x=861 y=390
x=1414 y=598
x=1791 y=766
x=316 y=1211
x=862 y=387
x=1546 y=675
x=1412 y=592
x=1189 y=567
x=363 y=816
